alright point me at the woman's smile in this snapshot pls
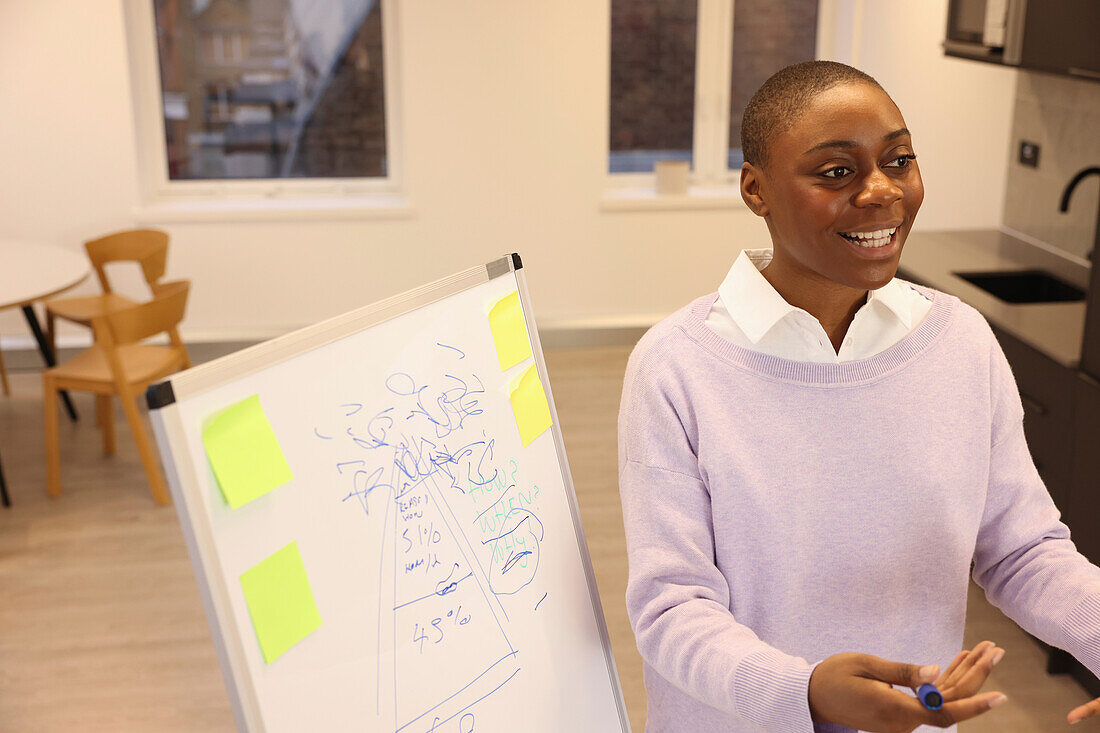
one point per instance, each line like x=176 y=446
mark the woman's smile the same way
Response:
x=883 y=243
x=874 y=238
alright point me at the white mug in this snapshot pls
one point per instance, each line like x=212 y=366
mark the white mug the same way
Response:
x=672 y=176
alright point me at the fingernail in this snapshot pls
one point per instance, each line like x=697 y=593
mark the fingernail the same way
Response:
x=929 y=672
x=998 y=657
x=997 y=701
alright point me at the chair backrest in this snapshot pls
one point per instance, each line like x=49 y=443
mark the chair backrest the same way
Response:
x=147 y=247
x=161 y=314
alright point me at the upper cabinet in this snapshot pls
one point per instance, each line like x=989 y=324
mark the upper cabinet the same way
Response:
x=1055 y=36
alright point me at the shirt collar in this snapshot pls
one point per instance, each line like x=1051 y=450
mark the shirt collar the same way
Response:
x=755 y=306
x=893 y=296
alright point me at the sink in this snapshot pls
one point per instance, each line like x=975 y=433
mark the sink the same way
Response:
x=1024 y=286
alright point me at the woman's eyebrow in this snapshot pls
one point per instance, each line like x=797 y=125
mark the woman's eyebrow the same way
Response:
x=852 y=143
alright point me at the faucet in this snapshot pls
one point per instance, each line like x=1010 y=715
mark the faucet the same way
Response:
x=1064 y=206
x=1080 y=176
x=1090 y=349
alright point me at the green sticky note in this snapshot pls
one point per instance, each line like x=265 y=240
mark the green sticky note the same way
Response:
x=244 y=452
x=280 y=602
x=509 y=331
x=529 y=406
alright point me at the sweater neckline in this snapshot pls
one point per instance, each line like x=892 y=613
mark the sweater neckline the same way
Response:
x=861 y=370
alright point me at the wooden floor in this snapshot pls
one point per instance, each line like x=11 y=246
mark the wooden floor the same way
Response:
x=102 y=629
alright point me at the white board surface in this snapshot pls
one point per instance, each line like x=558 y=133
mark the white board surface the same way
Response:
x=445 y=558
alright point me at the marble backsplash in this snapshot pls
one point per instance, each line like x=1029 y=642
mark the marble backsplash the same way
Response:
x=1062 y=115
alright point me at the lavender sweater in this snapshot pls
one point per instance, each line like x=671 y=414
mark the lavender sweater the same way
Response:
x=778 y=512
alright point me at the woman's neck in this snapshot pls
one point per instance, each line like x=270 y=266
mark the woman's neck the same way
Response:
x=832 y=304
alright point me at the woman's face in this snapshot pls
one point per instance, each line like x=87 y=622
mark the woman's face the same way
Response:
x=840 y=188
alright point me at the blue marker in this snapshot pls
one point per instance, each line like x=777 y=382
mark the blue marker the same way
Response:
x=930 y=697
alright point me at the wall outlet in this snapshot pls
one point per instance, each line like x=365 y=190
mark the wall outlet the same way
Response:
x=1029 y=153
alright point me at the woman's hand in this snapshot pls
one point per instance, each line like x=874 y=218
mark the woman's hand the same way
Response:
x=1088 y=710
x=856 y=690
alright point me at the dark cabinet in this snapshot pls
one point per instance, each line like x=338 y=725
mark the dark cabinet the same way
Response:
x=1055 y=36
x=1061 y=37
x=1083 y=511
x=1046 y=390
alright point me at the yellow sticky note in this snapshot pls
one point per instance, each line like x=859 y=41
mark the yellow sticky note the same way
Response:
x=509 y=331
x=244 y=452
x=280 y=601
x=529 y=406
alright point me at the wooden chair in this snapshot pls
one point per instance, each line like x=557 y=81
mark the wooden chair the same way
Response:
x=118 y=364
x=147 y=247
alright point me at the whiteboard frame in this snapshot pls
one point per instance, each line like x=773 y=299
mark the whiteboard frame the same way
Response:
x=185 y=485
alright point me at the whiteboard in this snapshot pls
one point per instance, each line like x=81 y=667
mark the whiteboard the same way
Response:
x=446 y=559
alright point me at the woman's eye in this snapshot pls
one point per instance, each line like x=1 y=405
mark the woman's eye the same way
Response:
x=838 y=172
x=902 y=161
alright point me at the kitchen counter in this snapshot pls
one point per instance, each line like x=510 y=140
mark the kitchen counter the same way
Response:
x=1054 y=329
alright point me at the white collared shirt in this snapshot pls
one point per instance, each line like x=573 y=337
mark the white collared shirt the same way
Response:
x=752 y=314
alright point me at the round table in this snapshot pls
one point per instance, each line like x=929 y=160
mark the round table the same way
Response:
x=30 y=271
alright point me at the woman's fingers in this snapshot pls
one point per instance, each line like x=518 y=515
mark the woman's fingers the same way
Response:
x=971 y=673
x=961 y=664
x=971 y=680
x=947 y=676
x=1088 y=710
x=957 y=711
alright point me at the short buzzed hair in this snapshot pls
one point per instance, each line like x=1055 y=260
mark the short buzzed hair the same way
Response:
x=780 y=99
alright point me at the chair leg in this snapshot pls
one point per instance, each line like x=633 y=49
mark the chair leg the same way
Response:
x=4 y=377
x=47 y=353
x=53 y=449
x=145 y=448
x=4 y=498
x=51 y=332
x=105 y=418
x=185 y=358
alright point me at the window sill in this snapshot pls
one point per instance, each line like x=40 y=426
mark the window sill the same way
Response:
x=343 y=208
x=697 y=197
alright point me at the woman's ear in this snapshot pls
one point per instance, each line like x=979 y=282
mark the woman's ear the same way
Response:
x=750 y=189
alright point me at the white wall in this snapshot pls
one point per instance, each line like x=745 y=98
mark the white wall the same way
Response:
x=505 y=110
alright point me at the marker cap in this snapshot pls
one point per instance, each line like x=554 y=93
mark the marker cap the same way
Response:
x=930 y=697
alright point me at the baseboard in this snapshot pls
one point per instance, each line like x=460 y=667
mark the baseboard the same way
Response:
x=24 y=356
x=566 y=336
x=29 y=360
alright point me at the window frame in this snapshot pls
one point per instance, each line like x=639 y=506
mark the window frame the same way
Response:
x=164 y=200
x=712 y=183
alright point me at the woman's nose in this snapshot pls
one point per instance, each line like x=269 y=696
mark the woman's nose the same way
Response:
x=878 y=190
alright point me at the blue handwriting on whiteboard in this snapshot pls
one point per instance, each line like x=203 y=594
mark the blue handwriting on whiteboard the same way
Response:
x=427 y=444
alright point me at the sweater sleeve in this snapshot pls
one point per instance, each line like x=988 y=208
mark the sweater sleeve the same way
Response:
x=677 y=599
x=1024 y=558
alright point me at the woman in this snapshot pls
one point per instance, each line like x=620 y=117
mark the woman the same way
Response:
x=812 y=459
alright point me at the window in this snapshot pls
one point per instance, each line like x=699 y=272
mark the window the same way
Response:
x=652 y=82
x=249 y=108
x=682 y=72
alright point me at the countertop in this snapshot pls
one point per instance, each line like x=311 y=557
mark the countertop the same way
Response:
x=1054 y=329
